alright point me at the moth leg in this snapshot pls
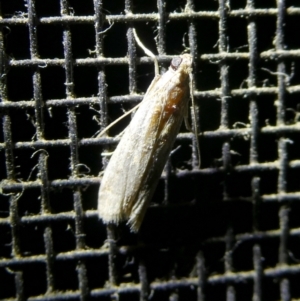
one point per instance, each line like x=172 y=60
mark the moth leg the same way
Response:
x=107 y=154
x=117 y=120
x=191 y=80
x=186 y=119
x=120 y=134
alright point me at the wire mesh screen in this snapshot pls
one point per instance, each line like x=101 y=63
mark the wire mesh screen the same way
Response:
x=227 y=231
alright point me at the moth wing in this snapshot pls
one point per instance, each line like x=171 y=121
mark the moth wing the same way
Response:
x=120 y=182
x=134 y=169
x=163 y=135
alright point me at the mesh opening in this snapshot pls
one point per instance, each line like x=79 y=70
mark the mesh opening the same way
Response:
x=227 y=231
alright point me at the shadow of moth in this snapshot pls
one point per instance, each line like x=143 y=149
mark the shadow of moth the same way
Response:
x=134 y=169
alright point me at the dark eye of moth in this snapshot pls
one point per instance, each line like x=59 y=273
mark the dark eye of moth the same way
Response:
x=175 y=63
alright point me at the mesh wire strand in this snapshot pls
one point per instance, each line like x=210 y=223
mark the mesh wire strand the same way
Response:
x=65 y=249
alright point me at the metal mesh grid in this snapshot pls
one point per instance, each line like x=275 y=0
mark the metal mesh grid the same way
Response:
x=227 y=231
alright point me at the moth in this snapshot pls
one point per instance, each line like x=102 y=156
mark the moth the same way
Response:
x=134 y=169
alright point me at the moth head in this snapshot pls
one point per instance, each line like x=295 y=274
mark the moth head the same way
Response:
x=182 y=63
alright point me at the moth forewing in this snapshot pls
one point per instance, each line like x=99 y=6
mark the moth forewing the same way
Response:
x=135 y=167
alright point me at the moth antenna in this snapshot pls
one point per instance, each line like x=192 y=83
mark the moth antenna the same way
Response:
x=147 y=51
x=196 y=133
